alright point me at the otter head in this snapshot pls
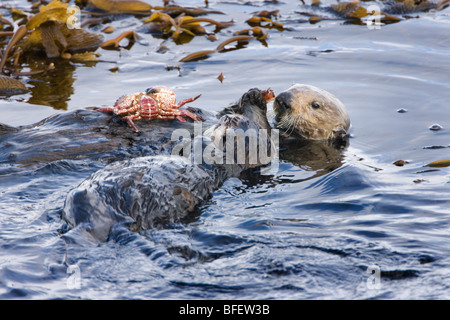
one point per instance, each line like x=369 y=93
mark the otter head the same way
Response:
x=310 y=112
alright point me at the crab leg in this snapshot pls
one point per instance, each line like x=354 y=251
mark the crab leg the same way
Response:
x=129 y=120
x=188 y=114
x=168 y=116
x=105 y=109
x=179 y=114
x=134 y=108
x=183 y=102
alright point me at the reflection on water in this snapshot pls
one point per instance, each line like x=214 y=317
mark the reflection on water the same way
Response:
x=53 y=87
x=317 y=156
x=309 y=232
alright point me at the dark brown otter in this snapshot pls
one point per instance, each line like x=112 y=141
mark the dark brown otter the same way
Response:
x=151 y=191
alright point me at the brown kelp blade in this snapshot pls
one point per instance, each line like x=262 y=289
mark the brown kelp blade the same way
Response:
x=204 y=53
x=441 y=4
x=221 y=46
x=114 y=43
x=197 y=55
x=10 y=86
x=121 y=6
x=439 y=164
x=18 y=35
x=189 y=20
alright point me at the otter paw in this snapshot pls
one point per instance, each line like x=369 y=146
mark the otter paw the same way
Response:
x=253 y=97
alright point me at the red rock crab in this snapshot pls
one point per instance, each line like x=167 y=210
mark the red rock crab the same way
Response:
x=155 y=103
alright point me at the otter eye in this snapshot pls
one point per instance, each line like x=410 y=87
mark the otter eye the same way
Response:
x=151 y=91
x=315 y=105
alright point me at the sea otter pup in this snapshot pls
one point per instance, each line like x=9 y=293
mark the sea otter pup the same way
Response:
x=151 y=191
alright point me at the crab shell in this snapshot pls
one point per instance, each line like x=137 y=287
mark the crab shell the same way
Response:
x=147 y=104
x=155 y=103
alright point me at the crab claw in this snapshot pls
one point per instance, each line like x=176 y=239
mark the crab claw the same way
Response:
x=183 y=102
x=186 y=113
x=268 y=95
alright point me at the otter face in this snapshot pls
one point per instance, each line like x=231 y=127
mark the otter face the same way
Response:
x=310 y=112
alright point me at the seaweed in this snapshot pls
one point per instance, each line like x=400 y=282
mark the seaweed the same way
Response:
x=59 y=31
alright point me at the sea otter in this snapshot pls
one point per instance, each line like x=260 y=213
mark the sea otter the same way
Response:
x=150 y=191
x=311 y=113
x=135 y=178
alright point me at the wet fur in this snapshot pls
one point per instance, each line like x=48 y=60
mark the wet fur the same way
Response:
x=295 y=114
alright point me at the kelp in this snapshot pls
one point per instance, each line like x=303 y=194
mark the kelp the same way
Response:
x=121 y=6
x=268 y=14
x=11 y=86
x=439 y=164
x=442 y=4
x=168 y=25
x=108 y=29
x=355 y=12
x=188 y=20
x=174 y=27
x=141 y=8
x=8 y=85
x=257 y=21
x=54 y=11
x=203 y=54
x=44 y=28
x=56 y=39
x=264 y=19
x=51 y=32
x=408 y=6
x=175 y=10
x=221 y=46
x=257 y=32
x=198 y=55
x=17 y=36
x=114 y=43
x=350 y=9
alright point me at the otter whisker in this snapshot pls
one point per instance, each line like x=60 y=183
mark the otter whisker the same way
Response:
x=295 y=121
x=288 y=124
x=285 y=124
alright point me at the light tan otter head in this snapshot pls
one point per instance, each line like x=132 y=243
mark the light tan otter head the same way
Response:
x=310 y=112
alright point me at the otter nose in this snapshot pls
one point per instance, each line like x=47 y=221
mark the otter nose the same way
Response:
x=282 y=101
